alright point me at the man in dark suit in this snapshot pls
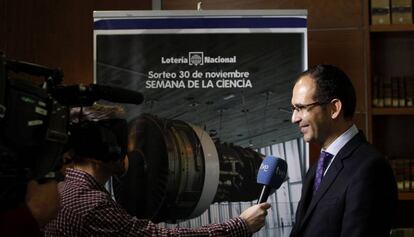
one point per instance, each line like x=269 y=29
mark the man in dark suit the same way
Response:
x=351 y=191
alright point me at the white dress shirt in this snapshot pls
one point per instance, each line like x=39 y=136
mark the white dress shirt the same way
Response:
x=340 y=142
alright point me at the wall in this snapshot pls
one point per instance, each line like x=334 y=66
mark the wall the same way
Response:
x=56 y=33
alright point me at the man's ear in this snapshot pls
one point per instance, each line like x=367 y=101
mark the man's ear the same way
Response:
x=336 y=108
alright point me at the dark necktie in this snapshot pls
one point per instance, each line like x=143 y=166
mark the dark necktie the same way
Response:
x=323 y=162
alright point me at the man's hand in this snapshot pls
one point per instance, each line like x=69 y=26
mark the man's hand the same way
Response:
x=255 y=216
x=43 y=201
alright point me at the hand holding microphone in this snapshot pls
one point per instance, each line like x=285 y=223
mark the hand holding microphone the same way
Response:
x=272 y=174
x=255 y=216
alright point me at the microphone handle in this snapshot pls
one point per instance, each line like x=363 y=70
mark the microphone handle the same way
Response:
x=264 y=194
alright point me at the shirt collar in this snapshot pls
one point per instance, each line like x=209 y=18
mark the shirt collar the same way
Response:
x=80 y=176
x=340 y=142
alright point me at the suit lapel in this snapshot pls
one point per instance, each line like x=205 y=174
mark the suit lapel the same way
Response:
x=330 y=176
x=306 y=192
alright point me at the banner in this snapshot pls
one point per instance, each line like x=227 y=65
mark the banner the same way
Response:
x=217 y=87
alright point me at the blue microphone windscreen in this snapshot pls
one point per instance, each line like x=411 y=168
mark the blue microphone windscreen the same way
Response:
x=272 y=172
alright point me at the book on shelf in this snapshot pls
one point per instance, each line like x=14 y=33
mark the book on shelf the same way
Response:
x=402 y=232
x=380 y=12
x=387 y=87
x=395 y=95
x=412 y=174
x=378 y=92
x=403 y=169
x=402 y=92
x=375 y=92
x=401 y=12
x=407 y=170
x=410 y=91
x=392 y=91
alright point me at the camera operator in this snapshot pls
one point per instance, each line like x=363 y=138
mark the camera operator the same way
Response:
x=99 y=146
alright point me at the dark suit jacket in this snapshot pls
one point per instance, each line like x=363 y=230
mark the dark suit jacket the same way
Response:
x=357 y=196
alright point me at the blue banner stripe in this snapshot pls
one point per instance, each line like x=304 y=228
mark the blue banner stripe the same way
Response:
x=200 y=23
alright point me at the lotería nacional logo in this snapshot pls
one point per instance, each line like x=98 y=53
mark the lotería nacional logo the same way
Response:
x=196 y=58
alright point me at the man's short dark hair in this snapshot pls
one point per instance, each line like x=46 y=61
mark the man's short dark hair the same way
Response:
x=96 y=112
x=99 y=132
x=333 y=83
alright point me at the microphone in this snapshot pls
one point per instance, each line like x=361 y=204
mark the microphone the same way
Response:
x=86 y=95
x=34 y=69
x=272 y=173
x=117 y=94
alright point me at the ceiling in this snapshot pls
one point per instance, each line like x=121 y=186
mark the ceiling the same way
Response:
x=256 y=116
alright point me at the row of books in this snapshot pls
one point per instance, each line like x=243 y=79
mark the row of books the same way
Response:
x=391 y=12
x=393 y=91
x=402 y=232
x=404 y=174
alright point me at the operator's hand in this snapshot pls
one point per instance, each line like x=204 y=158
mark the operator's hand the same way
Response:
x=43 y=200
x=254 y=216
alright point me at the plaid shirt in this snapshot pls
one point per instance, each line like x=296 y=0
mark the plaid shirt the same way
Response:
x=88 y=210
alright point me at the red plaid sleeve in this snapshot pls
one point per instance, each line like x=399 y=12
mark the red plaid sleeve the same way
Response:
x=109 y=219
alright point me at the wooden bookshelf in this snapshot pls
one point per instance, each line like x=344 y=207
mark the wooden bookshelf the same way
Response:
x=390 y=55
x=392 y=28
x=406 y=196
x=393 y=111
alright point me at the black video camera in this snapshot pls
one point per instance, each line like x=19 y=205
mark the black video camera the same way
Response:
x=33 y=130
x=34 y=123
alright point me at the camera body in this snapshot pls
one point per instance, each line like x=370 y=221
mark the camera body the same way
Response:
x=33 y=131
x=34 y=125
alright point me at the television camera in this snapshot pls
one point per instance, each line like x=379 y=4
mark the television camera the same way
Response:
x=34 y=123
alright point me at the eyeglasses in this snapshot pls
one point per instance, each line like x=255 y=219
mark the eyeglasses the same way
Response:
x=307 y=107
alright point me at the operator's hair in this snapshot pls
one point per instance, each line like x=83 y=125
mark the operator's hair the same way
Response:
x=96 y=112
x=333 y=83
